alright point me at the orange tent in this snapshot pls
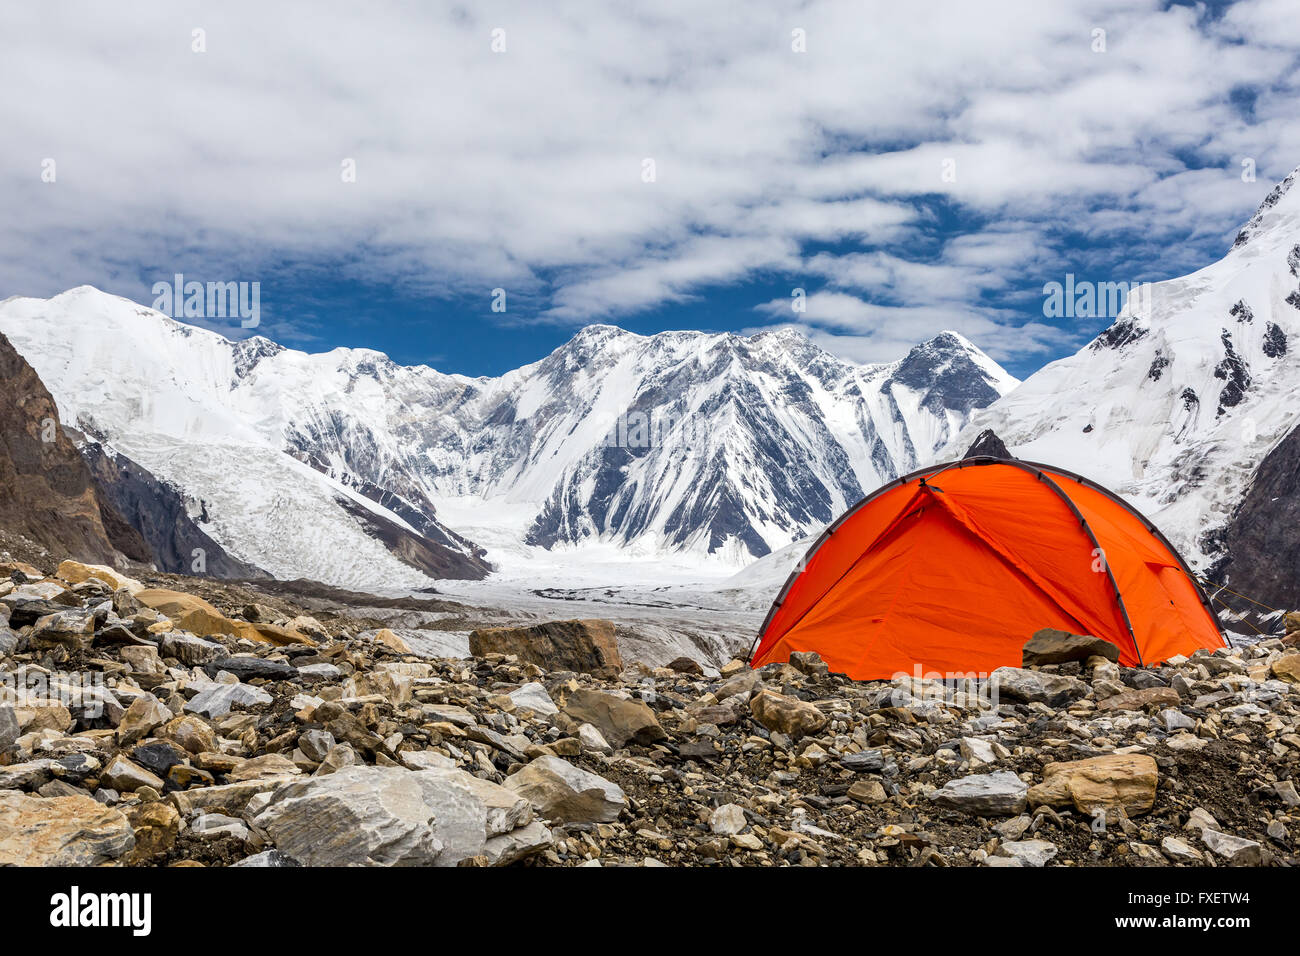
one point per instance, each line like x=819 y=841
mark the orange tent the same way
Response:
x=952 y=568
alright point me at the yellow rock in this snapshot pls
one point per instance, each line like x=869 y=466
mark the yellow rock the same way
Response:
x=389 y=639
x=191 y=613
x=1099 y=783
x=7 y=568
x=1288 y=668
x=74 y=572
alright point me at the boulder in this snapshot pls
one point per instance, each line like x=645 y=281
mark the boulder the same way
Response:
x=190 y=649
x=40 y=714
x=685 y=665
x=787 y=715
x=216 y=700
x=1033 y=853
x=390 y=816
x=1141 y=699
x=1111 y=782
x=357 y=816
x=29 y=775
x=187 y=612
x=126 y=776
x=73 y=629
x=145 y=714
x=984 y=795
x=1017 y=684
x=9 y=728
x=533 y=697
x=810 y=663
x=61 y=831
x=390 y=640
x=618 y=719
x=563 y=793
x=156 y=826
x=191 y=733
x=247 y=667
x=1238 y=851
x=74 y=572
x=586 y=646
x=1287 y=668
x=1053 y=646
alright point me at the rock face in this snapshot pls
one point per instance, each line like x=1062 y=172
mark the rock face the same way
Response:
x=987 y=445
x=1262 y=552
x=587 y=646
x=60 y=831
x=1126 y=781
x=46 y=492
x=1052 y=646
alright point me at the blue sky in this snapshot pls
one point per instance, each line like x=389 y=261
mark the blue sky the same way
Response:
x=912 y=167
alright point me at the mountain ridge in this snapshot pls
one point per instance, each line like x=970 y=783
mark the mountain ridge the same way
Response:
x=786 y=433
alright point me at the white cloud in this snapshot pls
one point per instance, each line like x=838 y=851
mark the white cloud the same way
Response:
x=524 y=169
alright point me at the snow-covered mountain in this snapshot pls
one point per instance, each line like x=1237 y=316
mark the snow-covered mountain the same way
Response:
x=711 y=444
x=340 y=465
x=1178 y=402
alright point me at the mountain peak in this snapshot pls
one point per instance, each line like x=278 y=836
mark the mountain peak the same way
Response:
x=1281 y=206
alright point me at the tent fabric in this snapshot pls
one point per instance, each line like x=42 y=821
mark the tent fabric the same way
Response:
x=950 y=570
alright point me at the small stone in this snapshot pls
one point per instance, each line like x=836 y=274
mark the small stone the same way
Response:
x=1180 y=851
x=215 y=825
x=316 y=744
x=1238 y=851
x=867 y=791
x=592 y=739
x=728 y=819
x=125 y=776
x=1033 y=853
x=1286 y=792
